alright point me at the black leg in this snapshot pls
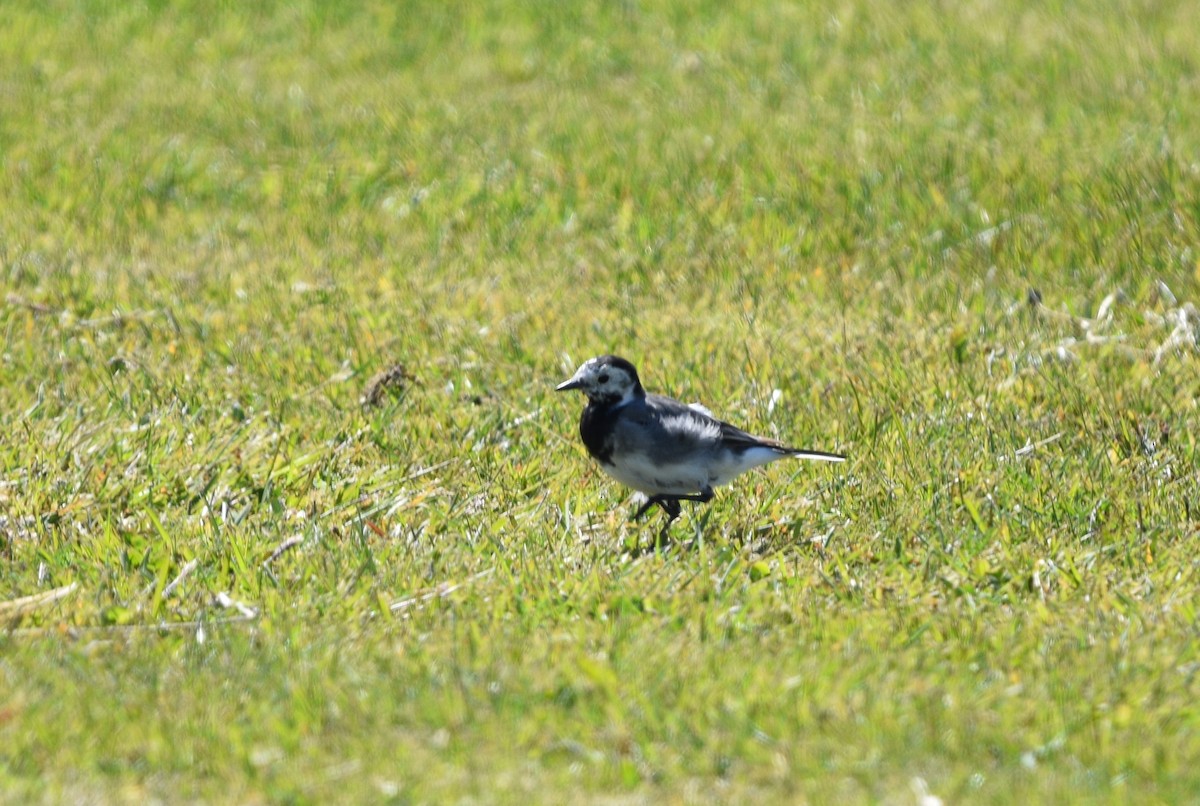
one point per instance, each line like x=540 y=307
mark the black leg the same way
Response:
x=644 y=508
x=672 y=508
x=670 y=503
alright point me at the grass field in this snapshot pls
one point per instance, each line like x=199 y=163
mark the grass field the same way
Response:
x=962 y=241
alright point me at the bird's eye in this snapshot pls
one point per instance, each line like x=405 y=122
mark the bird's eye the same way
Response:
x=603 y=377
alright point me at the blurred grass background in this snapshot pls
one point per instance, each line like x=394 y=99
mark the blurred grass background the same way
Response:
x=959 y=239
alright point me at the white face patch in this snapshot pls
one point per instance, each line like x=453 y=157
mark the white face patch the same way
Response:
x=605 y=380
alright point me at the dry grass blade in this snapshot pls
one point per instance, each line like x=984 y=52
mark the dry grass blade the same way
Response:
x=1030 y=447
x=17 y=301
x=442 y=590
x=285 y=546
x=183 y=574
x=226 y=601
x=18 y=607
x=1185 y=334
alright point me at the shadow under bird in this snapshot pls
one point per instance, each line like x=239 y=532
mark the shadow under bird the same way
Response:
x=669 y=450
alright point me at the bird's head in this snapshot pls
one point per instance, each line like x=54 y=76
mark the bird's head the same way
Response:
x=606 y=379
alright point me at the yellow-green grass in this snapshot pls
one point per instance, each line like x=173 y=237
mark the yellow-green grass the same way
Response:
x=219 y=220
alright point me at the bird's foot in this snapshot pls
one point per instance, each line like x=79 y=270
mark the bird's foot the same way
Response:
x=670 y=505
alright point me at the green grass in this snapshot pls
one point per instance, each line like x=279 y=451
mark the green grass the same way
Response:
x=218 y=221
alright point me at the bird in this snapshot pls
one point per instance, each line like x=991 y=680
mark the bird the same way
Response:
x=668 y=450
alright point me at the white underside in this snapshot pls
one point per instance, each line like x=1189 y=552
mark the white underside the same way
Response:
x=684 y=478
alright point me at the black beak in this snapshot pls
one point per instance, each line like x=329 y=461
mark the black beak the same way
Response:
x=565 y=385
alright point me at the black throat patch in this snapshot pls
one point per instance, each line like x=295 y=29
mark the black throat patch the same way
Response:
x=596 y=427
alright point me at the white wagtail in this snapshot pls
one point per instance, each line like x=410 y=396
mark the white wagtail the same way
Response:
x=668 y=450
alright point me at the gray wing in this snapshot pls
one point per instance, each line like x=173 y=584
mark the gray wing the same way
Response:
x=690 y=429
x=731 y=435
x=661 y=446
x=695 y=418
x=666 y=431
